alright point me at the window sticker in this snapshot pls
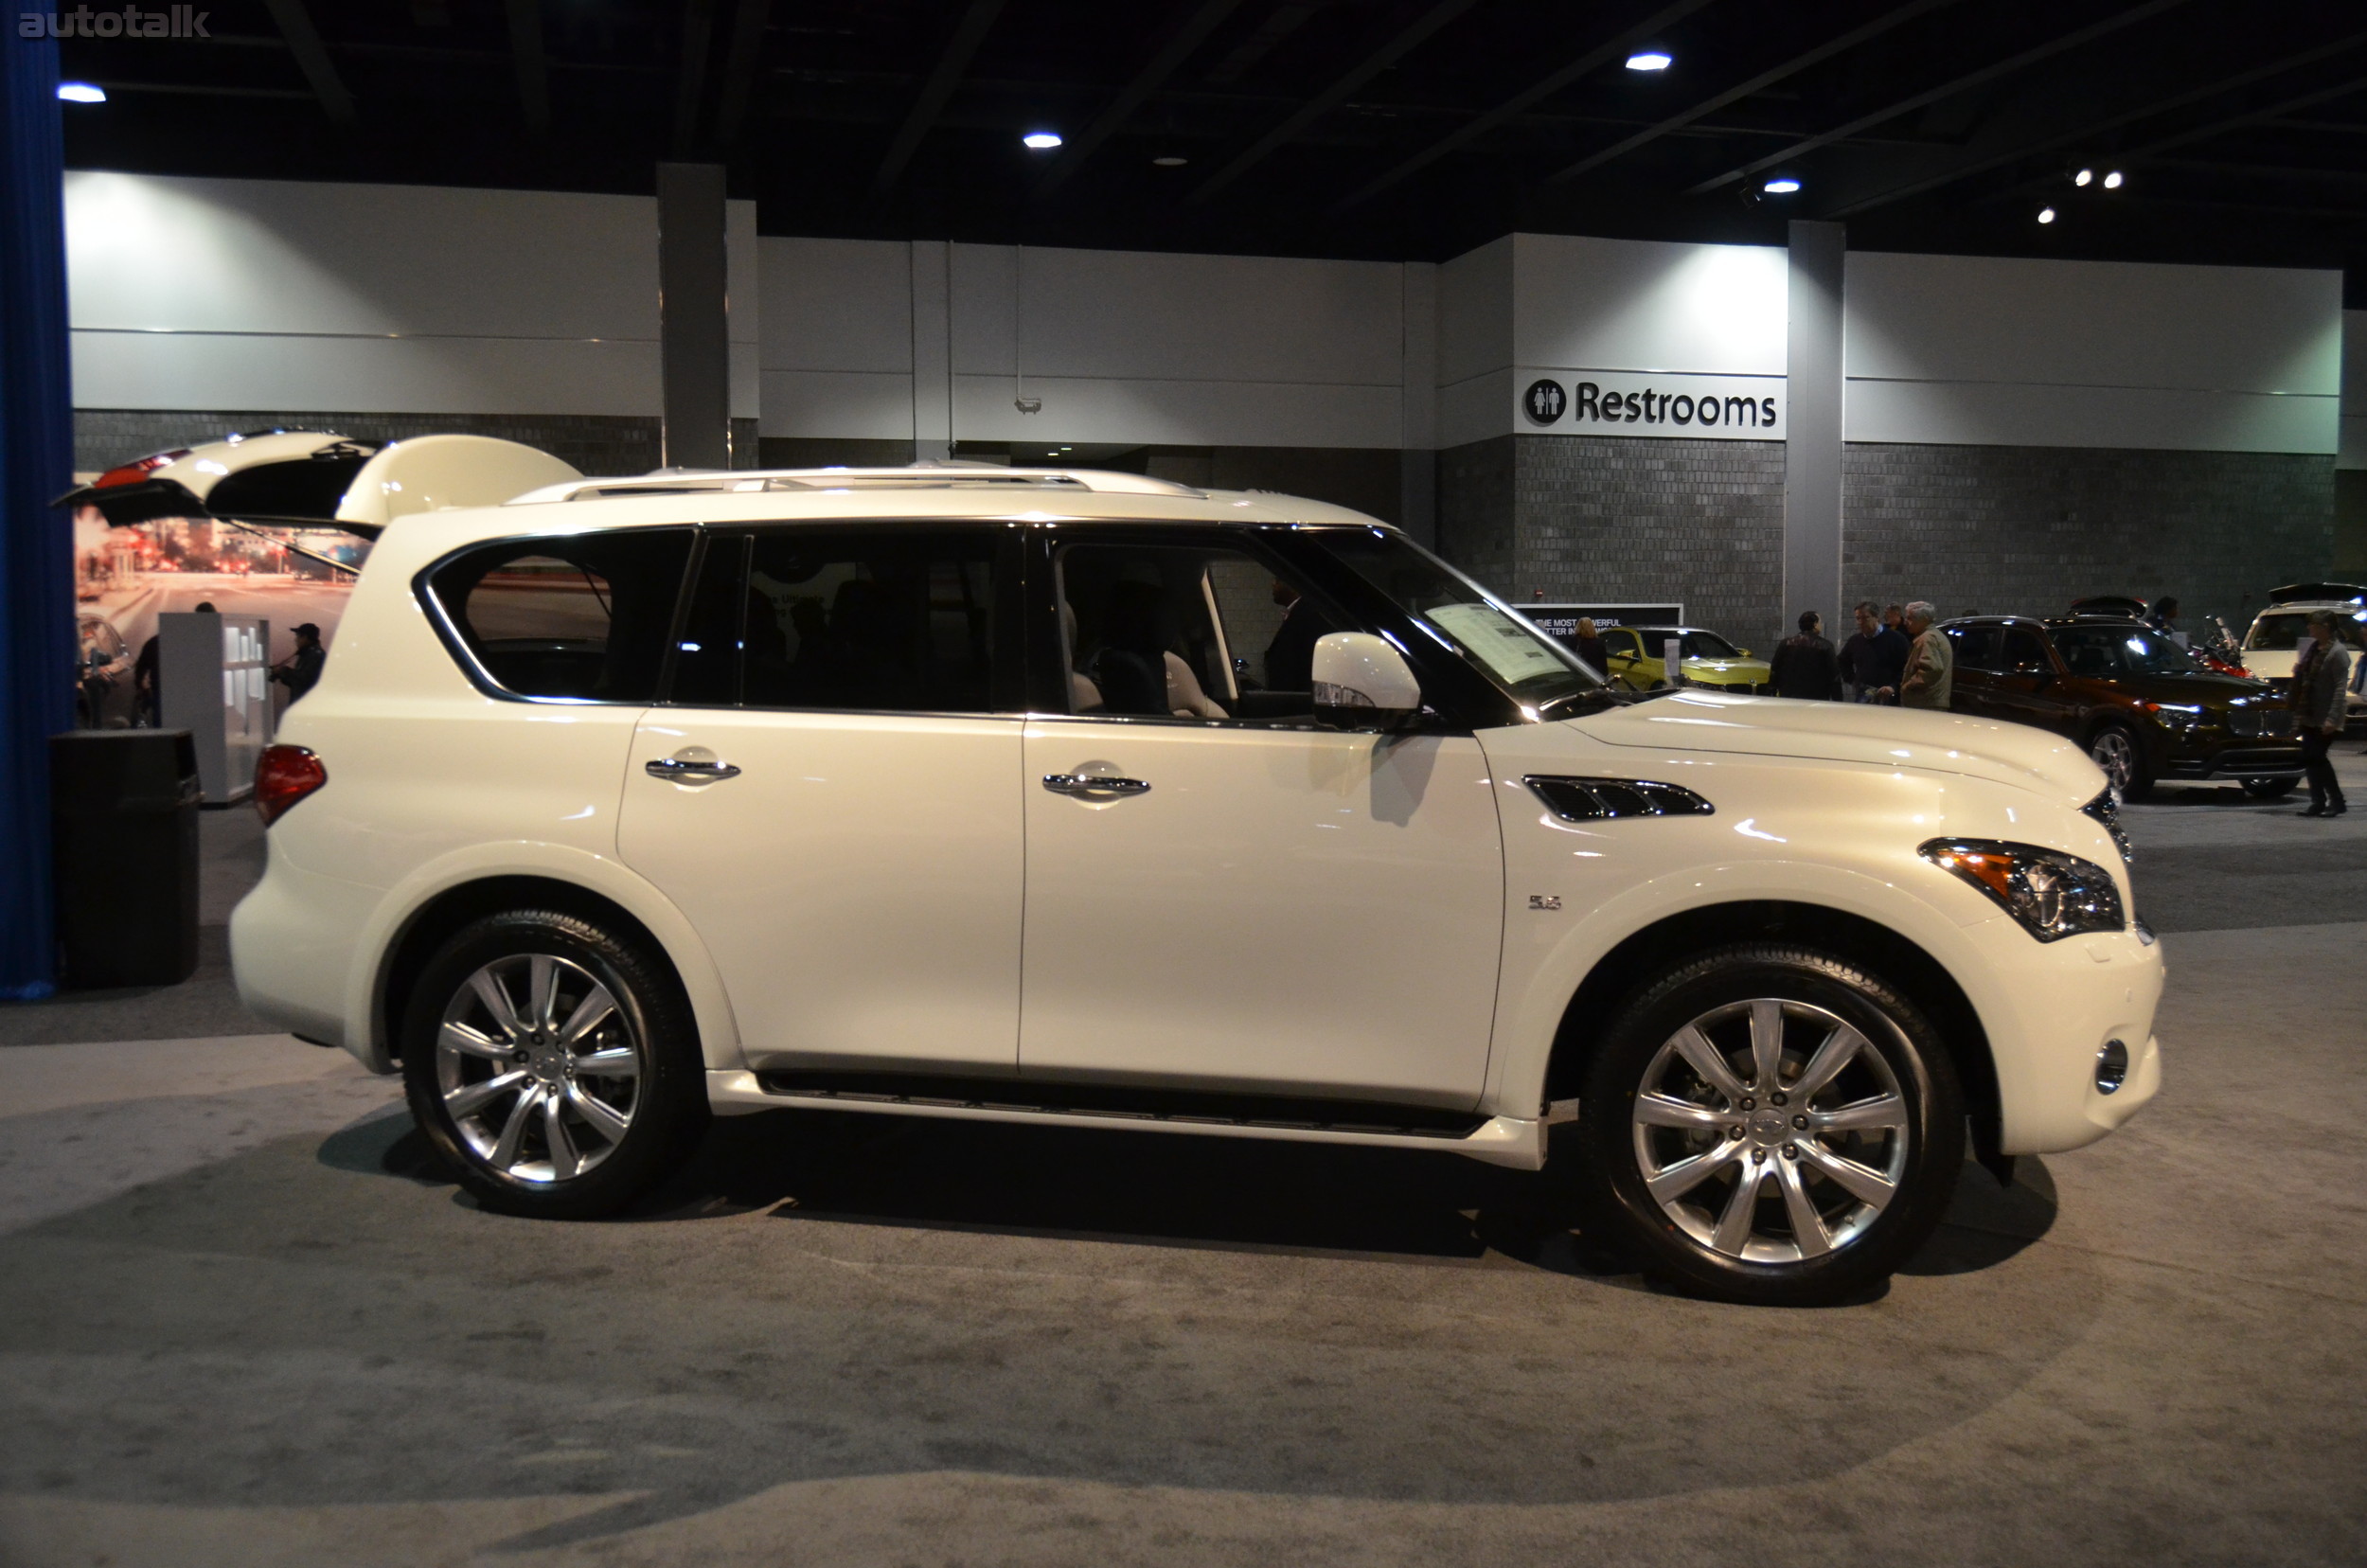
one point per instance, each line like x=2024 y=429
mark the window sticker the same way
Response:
x=1512 y=652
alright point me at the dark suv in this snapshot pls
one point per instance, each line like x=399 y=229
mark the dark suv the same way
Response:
x=2144 y=709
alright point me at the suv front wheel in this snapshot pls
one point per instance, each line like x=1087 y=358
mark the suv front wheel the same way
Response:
x=1770 y=1125
x=553 y=1065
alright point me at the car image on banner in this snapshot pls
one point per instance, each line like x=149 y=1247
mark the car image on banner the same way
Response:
x=274 y=525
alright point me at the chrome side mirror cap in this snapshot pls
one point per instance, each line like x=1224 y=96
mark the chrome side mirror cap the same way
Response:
x=1362 y=683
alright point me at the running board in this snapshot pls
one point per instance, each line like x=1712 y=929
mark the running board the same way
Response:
x=1511 y=1141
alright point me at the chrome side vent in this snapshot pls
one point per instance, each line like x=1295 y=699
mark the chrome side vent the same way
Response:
x=1607 y=799
x=2107 y=811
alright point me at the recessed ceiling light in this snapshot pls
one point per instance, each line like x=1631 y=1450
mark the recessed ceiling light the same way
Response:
x=82 y=92
x=1651 y=60
x=2112 y=180
x=2083 y=176
x=1042 y=141
x=1782 y=184
x=2046 y=215
x=1170 y=162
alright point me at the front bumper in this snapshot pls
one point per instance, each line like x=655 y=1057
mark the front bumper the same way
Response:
x=2271 y=762
x=2052 y=1008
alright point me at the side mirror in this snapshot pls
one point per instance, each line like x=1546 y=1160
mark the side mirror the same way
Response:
x=1361 y=683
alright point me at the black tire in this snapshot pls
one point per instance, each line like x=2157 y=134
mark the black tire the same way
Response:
x=2129 y=771
x=2270 y=789
x=1864 y=1242
x=589 y=1169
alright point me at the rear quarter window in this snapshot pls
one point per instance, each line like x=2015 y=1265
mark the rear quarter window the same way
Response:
x=584 y=618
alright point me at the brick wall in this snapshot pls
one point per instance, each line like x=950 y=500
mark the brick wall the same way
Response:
x=1477 y=511
x=2027 y=529
x=593 y=443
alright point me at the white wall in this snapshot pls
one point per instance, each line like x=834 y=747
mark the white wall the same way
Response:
x=1983 y=350
x=1118 y=345
x=264 y=295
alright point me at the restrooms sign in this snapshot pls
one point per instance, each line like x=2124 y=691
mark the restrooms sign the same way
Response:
x=1585 y=402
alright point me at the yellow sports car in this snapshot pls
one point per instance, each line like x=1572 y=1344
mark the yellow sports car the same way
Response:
x=1708 y=660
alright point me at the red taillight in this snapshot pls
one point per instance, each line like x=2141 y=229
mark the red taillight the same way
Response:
x=283 y=776
x=132 y=473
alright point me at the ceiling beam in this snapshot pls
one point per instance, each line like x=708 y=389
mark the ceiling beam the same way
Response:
x=1545 y=87
x=739 y=68
x=1388 y=54
x=2233 y=122
x=1932 y=95
x=534 y=75
x=1180 y=46
x=969 y=33
x=698 y=28
x=304 y=41
x=1741 y=90
x=1980 y=160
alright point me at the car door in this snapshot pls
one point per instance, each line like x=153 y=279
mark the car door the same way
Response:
x=1973 y=689
x=1241 y=903
x=1623 y=652
x=832 y=795
x=2028 y=687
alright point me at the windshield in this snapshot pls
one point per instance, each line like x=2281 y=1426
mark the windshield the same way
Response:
x=2108 y=651
x=2280 y=633
x=1529 y=667
x=1698 y=644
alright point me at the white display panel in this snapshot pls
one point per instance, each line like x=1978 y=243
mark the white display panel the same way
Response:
x=213 y=679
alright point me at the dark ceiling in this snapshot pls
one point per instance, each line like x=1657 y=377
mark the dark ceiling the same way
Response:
x=1355 y=128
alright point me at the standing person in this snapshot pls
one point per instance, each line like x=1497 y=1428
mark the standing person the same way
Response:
x=2162 y=618
x=1589 y=646
x=1874 y=658
x=1895 y=616
x=1806 y=667
x=1290 y=657
x=301 y=669
x=1931 y=677
x=2322 y=680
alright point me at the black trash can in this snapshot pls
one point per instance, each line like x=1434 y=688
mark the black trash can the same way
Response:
x=124 y=810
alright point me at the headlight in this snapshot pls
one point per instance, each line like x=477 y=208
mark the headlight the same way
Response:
x=2052 y=894
x=2179 y=718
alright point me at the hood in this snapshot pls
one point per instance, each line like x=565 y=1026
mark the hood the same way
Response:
x=2206 y=689
x=2018 y=754
x=1753 y=669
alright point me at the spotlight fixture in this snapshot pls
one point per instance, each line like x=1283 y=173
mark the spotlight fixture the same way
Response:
x=1170 y=161
x=1651 y=60
x=1782 y=184
x=2083 y=178
x=2046 y=215
x=2112 y=180
x=82 y=92
x=1040 y=141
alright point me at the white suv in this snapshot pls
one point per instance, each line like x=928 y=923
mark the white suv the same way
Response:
x=1080 y=799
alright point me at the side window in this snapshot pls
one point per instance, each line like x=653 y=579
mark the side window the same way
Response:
x=872 y=620
x=1620 y=644
x=1161 y=630
x=2088 y=652
x=2024 y=653
x=1976 y=646
x=584 y=617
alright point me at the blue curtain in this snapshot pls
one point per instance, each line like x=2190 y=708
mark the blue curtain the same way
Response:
x=37 y=636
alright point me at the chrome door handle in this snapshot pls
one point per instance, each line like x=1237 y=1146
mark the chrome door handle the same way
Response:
x=679 y=771
x=1092 y=784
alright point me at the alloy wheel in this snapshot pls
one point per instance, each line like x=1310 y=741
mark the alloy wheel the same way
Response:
x=537 y=1068
x=2112 y=752
x=1771 y=1130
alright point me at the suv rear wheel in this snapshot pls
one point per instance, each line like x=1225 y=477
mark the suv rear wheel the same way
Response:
x=553 y=1065
x=1770 y=1125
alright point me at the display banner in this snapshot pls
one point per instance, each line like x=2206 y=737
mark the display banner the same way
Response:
x=1623 y=403
x=1560 y=621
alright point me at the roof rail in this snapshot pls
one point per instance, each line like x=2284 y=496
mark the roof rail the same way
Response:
x=924 y=475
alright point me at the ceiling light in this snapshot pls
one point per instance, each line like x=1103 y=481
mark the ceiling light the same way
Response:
x=1041 y=141
x=1782 y=184
x=1651 y=60
x=2046 y=215
x=2083 y=177
x=1170 y=162
x=2112 y=180
x=82 y=92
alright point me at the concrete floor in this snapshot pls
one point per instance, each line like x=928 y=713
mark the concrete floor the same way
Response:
x=243 y=1322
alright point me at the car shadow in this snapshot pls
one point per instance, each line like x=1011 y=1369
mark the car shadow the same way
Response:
x=1179 y=1190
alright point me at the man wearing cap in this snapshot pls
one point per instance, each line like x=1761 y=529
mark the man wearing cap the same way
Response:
x=301 y=668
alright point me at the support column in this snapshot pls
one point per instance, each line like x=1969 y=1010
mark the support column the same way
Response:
x=694 y=335
x=1812 y=396
x=1417 y=418
x=932 y=350
x=36 y=543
